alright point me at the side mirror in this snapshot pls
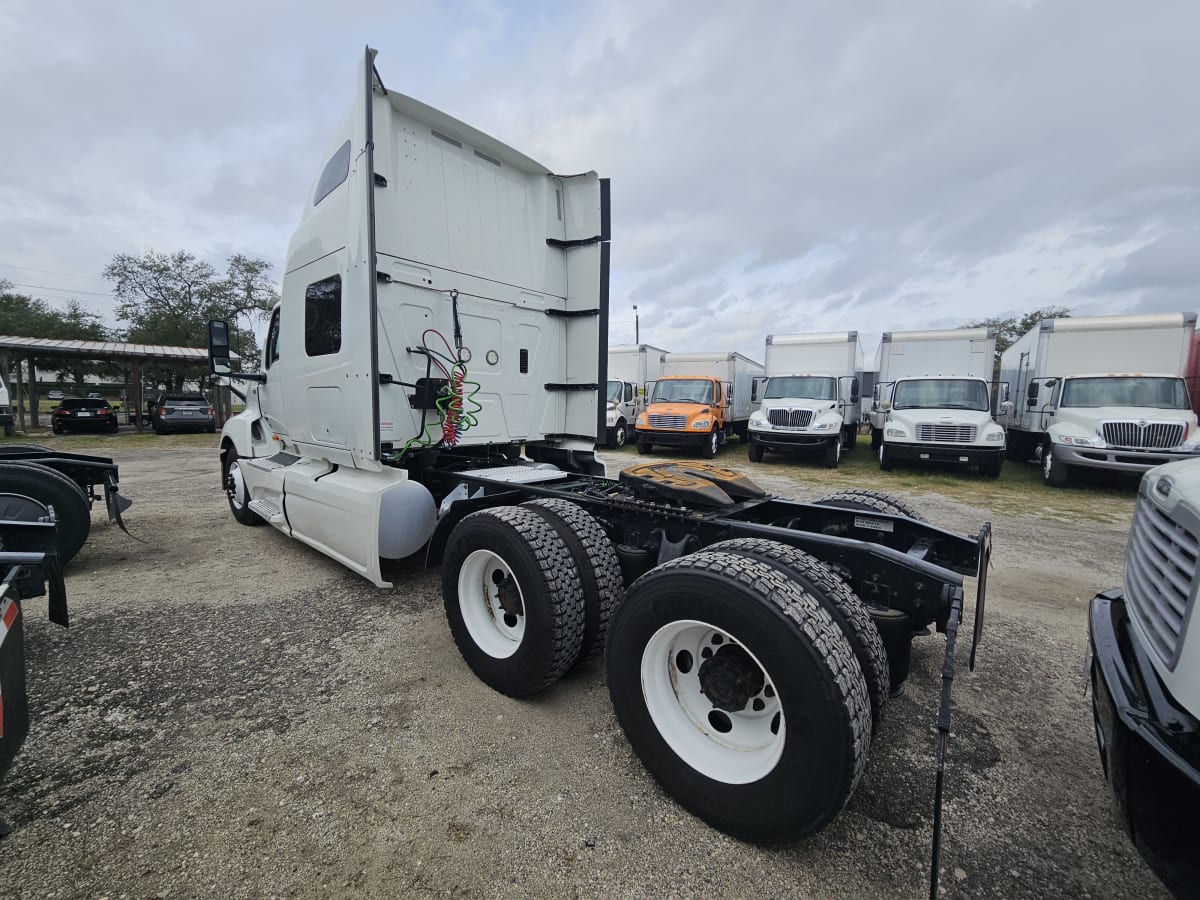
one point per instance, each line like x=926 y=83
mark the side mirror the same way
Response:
x=885 y=405
x=218 y=348
x=1006 y=407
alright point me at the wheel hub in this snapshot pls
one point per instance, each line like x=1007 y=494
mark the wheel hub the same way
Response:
x=508 y=595
x=730 y=677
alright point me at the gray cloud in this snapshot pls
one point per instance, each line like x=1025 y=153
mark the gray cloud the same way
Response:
x=782 y=167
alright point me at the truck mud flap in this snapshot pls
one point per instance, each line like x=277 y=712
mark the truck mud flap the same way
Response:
x=116 y=504
x=14 y=710
x=985 y=560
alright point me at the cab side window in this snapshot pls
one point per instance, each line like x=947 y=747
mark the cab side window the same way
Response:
x=323 y=317
x=272 y=348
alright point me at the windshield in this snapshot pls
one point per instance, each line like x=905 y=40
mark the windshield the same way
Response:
x=683 y=390
x=1155 y=393
x=614 y=392
x=806 y=387
x=941 y=393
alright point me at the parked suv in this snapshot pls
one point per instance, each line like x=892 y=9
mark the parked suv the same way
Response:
x=182 y=412
x=83 y=415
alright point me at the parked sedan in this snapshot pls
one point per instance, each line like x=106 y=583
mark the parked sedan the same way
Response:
x=182 y=412
x=83 y=415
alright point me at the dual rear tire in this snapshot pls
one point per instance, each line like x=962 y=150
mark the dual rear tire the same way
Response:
x=747 y=677
x=27 y=492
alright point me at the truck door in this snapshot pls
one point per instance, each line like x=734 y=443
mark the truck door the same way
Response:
x=270 y=392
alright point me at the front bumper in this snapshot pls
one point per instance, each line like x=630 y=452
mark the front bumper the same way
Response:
x=793 y=440
x=1115 y=459
x=673 y=438
x=945 y=453
x=1149 y=748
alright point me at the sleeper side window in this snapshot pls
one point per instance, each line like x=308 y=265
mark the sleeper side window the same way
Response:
x=323 y=317
x=334 y=174
x=272 y=348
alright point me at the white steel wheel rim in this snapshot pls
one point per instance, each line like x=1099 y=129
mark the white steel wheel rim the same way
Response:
x=1047 y=464
x=881 y=452
x=622 y=435
x=743 y=748
x=713 y=442
x=237 y=495
x=495 y=632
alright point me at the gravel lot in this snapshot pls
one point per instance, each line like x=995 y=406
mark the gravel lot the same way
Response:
x=233 y=715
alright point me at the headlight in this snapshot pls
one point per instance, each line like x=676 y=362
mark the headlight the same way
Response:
x=641 y=422
x=1081 y=441
x=1190 y=446
x=702 y=423
x=994 y=436
x=825 y=426
x=758 y=419
x=897 y=432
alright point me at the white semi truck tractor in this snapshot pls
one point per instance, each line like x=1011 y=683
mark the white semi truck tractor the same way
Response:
x=810 y=399
x=1145 y=677
x=933 y=400
x=1102 y=393
x=632 y=371
x=430 y=387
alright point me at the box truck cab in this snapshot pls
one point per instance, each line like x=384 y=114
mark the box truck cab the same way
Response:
x=699 y=400
x=631 y=373
x=810 y=398
x=933 y=400
x=1145 y=675
x=1070 y=414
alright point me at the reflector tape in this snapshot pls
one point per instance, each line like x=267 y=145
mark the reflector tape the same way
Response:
x=8 y=615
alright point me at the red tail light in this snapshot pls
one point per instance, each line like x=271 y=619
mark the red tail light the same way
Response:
x=210 y=412
x=162 y=410
x=62 y=412
x=104 y=411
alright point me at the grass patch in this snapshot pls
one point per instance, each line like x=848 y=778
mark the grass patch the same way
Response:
x=71 y=443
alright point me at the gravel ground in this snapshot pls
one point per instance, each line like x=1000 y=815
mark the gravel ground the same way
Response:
x=233 y=715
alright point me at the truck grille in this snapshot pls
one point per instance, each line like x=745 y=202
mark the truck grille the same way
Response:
x=1160 y=569
x=1150 y=435
x=658 y=421
x=789 y=418
x=946 y=434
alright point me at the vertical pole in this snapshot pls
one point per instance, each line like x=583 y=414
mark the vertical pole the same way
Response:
x=34 y=396
x=20 y=397
x=137 y=396
x=637 y=332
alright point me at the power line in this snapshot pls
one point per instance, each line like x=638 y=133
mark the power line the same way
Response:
x=46 y=287
x=50 y=272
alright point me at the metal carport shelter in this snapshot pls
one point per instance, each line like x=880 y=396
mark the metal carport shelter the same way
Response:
x=132 y=356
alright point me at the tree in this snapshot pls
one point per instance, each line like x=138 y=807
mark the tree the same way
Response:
x=170 y=299
x=1010 y=329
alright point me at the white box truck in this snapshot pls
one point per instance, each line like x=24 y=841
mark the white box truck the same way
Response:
x=933 y=399
x=810 y=398
x=430 y=385
x=1101 y=392
x=631 y=373
x=1145 y=677
x=699 y=400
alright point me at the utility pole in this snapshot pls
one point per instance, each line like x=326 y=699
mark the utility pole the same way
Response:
x=637 y=334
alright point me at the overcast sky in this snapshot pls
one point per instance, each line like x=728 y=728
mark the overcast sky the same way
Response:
x=776 y=167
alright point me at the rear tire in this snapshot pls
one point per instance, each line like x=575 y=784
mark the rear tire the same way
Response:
x=50 y=488
x=755 y=452
x=839 y=600
x=876 y=440
x=873 y=501
x=644 y=448
x=716 y=642
x=513 y=599
x=598 y=565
